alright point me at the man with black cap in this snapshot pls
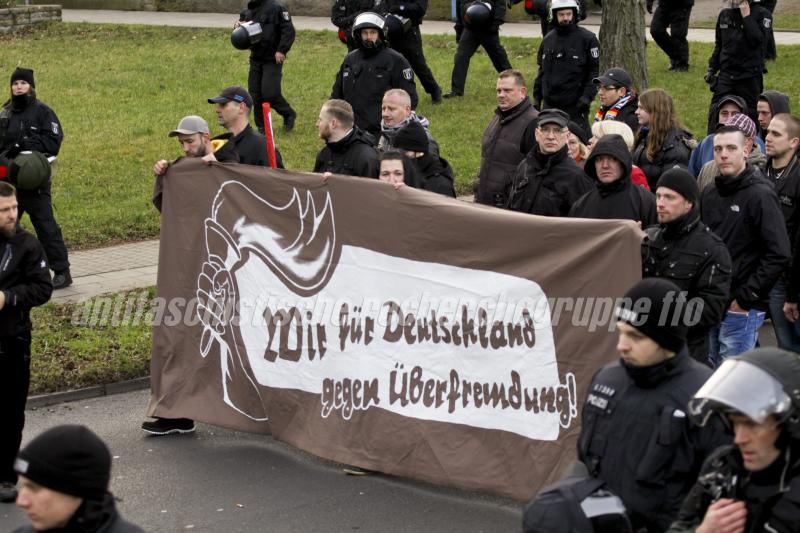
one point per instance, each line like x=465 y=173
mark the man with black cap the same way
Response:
x=752 y=485
x=435 y=173
x=348 y=150
x=614 y=195
x=635 y=433
x=28 y=124
x=741 y=207
x=24 y=284
x=64 y=476
x=683 y=250
x=618 y=100
x=548 y=181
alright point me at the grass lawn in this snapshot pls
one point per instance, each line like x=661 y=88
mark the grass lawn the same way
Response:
x=118 y=90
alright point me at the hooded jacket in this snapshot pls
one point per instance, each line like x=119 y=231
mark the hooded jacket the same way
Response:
x=787 y=187
x=352 y=155
x=620 y=199
x=676 y=150
x=547 y=185
x=745 y=213
x=435 y=174
x=277 y=30
x=778 y=103
x=710 y=170
x=705 y=153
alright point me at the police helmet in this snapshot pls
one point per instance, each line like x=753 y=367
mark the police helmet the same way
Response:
x=757 y=384
x=556 y=5
x=537 y=7
x=368 y=20
x=478 y=15
x=396 y=26
x=246 y=35
x=29 y=171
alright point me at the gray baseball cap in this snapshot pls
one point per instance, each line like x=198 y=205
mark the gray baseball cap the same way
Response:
x=189 y=125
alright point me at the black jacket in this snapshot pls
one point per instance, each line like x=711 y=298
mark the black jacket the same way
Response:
x=627 y=114
x=547 y=185
x=620 y=199
x=353 y=155
x=636 y=435
x=435 y=174
x=344 y=12
x=740 y=43
x=676 y=150
x=364 y=78
x=787 y=187
x=30 y=127
x=93 y=517
x=744 y=212
x=771 y=495
x=25 y=281
x=252 y=147
x=411 y=9
x=568 y=59
x=687 y=253
x=276 y=27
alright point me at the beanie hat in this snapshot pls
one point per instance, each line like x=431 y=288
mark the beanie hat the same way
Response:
x=69 y=459
x=650 y=306
x=24 y=74
x=681 y=181
x=412 y=138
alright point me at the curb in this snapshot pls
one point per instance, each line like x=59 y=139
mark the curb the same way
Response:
x=43 y=400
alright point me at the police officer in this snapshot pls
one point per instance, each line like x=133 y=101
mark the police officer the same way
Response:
x=635 y=433
x=672 y=14
x=343 y=13
x=267 y=57
x=403 y=18
x=736 y=65
x=682 y=249
x=371 y=70
x=27 y=123
x=754 y=484
x=478 y=24
x=541 y=9
x=568 y=59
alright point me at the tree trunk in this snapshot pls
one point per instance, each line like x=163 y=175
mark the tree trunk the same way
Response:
x=622 y=40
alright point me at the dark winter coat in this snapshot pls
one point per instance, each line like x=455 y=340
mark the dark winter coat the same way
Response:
x=25 y=281
x=547 y=185
x=745 y=213
x=344 y=12
x=740 y=43
x=411 y=9
x=687 y=253
x=277 y=30
x=500 y=151
x=787 y=187
x=568 y=59
x=435 y=174
x=620 y=199
x=33 y=127
x=93 y=517
x=627 y=114
x=676 y=150
x=252 y=147
x=353 y=155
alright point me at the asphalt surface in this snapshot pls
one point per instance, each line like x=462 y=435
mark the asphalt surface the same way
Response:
x=218 y=480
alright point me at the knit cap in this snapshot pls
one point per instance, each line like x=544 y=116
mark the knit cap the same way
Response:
x=650 y=306
x=412 y=138
x=25 y=74
x=681 y=181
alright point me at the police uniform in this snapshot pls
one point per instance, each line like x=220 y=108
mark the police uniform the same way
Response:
x=264 y=80
x=410 y=44
x=470 y=38
x=568 y=59
x=363 y=79
x=672 y=14
x=343 y=13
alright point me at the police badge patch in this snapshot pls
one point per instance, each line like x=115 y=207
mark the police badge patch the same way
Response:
x=408 y=73
x=767 y=23
x=595 y=52
x=54 y=127
x=286 y=16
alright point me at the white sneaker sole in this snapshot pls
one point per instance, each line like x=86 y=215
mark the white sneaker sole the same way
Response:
x=174 y=431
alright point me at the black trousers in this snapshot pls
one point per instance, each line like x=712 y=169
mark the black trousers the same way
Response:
x=411 y=48
x=15 y=374
x=264 y=85
x=772 y=52
x=747 y=88
x=673 y=43
x=39 y=206
x=467 y=45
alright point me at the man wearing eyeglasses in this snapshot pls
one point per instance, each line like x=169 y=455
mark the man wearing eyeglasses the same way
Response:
x=618 y=100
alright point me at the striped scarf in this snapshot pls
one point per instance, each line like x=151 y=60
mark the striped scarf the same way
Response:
x=612 y=113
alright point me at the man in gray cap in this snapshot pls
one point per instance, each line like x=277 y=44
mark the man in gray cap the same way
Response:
x=618 y=100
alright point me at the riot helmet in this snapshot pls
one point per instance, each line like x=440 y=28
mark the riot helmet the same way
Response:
x=396 y=27
x=30 y=171
x=757 y=384
x=478 y=15
x=246 y=35
x=369 y=20
x=556 y=5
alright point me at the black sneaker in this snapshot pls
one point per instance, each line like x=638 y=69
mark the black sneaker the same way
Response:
x=452 y=94
x=168 y=426
x=436 y=96
x=288 y=122
x=8 y=492
x=62 y=280
x=679 y=68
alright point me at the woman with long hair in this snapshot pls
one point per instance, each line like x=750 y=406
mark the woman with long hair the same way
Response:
x=662 y=141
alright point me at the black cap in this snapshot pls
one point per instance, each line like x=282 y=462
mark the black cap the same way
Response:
x=617 y=77
x=24 y=74
x=68 y=459
x=681 y=181
x=412 y=137
x=650 y=306
x=577 y=131
x=233 y=94
x=738 y=100
x=553 y=116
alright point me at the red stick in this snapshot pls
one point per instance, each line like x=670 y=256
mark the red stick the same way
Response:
x=268 y=133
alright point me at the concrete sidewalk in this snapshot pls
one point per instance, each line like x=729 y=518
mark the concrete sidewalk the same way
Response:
x=226 y=20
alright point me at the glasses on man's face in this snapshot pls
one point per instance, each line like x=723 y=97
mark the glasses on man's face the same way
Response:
x=608 y=88
x=551 y=130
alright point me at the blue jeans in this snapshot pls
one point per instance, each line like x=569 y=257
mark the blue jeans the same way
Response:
x=737 y=333
x=787 y=333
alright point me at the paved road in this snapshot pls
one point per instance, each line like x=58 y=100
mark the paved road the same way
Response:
x=229 y=482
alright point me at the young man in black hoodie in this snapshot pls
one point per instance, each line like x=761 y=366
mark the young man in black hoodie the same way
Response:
x=741 y=207
x=770 y=103
x=614 y=195
x=348 y=150
x=548 y=181
x=434 y=172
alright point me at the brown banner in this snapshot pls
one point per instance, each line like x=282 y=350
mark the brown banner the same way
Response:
x=400 y=331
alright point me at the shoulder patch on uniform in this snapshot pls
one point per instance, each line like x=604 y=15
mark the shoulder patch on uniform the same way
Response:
x=54 y=127
x=286 y=15
x=43 y=264
x=408 y=74
x=595 y=51
x=767 y=23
